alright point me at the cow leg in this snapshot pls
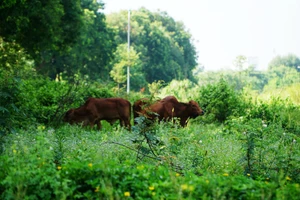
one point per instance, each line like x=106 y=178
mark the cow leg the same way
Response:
x=85 y=123
x=99 y=126
x=98 y=123
x=93 y=120
x=122 y=122
x=183 y=122
x=127 y=124
x=92 y=124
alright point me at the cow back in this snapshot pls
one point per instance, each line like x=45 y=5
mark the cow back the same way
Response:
x=109 y=108
x=168 y=108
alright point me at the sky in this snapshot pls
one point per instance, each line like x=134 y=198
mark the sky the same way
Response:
x=224 y=29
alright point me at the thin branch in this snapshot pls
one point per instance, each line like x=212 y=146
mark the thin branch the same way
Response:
x=111 y=142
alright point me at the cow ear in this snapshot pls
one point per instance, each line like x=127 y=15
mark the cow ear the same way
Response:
x=192 y=103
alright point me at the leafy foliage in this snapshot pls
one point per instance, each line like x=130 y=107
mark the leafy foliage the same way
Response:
x=165 y=47
x=270 y=151
x=184 y=90
x=251 y=152
x=38 y=100
x=283 y=71
x=90 y=54
x=70 y=162
x=290 y=60
x=279 y=111
x=8 y=100
x=63 y=37
x=14 y=66
x=248 y=156
x=123 y=60
x=38 y=26
x=282 y=76
x=221 y=101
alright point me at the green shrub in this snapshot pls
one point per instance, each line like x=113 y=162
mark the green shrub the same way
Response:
x=279 y=111
x=9 y=112
x=183 y=90
x=270 y=152
x=96 y=90
x=40 y=98
x=220 y=101
x=80 y=92
x=14 y=67
x=44 y=101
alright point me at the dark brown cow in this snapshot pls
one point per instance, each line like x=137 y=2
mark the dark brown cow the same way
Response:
x=96 y=109
x=139 y=106
x=168 y=108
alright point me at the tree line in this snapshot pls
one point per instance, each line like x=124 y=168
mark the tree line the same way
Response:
x=67 y=40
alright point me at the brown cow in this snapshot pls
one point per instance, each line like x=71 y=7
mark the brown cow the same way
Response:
x=168 y=108
x=96 y=109
x=139 y=106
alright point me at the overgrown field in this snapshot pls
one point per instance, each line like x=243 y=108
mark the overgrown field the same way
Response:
x=239 y=160
x=242 y=148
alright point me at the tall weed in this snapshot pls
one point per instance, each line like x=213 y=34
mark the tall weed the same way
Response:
x=277 y=110
x=269 y=151
x=93 y=167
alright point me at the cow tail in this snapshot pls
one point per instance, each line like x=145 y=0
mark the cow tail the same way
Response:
x=130 y=111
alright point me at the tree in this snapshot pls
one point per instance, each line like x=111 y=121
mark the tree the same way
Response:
x=184 y=90
x=255 y=80
x=122 y=60
x=91 y=53
x=39 y=26
x=14 y=66
x=289 y=60
x=64 y=37
x=283 y=71
x=165 y=47
x=280 y=76
x=240 y=63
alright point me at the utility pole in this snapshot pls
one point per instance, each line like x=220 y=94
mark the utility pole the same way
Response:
x=128 y=67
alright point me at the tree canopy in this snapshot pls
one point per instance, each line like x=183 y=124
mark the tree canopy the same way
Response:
x=165 y=46
x=41 y=25
x=289 y=60
x=68 y=36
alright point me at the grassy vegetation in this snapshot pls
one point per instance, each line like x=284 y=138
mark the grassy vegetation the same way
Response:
x=242 y=148
x=244 y=160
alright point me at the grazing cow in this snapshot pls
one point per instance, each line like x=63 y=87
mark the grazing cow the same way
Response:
x=96 y=109
x=139 y=106
x=168 y=108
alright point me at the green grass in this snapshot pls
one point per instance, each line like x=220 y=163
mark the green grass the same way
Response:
x=238 y=160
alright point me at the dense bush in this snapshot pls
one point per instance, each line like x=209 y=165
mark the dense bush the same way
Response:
x=9 y=89
x=14 y=67
x=184 y=90
x=44 y=101
x=269 y=150
x=276 y=110
x=39 y=99
x=220 y=101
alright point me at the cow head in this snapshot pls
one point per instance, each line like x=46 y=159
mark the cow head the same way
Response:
x=194 y=109
x=69 y=116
